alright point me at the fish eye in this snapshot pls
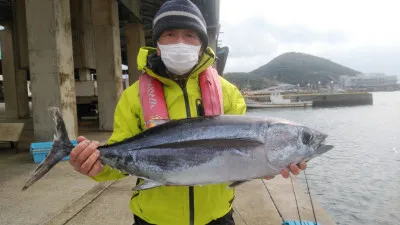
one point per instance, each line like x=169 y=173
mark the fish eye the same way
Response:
x=307 y=136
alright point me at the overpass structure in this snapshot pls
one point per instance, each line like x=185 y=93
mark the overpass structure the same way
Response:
x=58 y=45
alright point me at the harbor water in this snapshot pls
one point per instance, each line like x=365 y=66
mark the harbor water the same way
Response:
x=357 y=182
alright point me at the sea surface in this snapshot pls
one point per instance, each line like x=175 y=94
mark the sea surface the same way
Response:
x=357 y=182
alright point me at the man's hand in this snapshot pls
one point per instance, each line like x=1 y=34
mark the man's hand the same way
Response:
x=85 y=157
x=295 y=169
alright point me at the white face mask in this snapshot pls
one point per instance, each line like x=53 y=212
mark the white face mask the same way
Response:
x=179 y=58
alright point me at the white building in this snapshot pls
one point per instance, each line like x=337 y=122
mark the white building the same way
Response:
x=370 y=82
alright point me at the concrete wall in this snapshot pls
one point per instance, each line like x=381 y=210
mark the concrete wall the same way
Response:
x=342 y=100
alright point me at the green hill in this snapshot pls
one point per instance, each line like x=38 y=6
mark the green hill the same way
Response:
x=292 y=68
x=300 y=68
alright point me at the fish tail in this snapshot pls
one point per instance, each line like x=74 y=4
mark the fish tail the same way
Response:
x=61 y=147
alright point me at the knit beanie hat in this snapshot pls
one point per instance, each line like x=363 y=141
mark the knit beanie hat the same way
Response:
x=180 y=14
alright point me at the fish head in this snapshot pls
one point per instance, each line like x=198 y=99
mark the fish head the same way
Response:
x=287 y=142
x=313 y=142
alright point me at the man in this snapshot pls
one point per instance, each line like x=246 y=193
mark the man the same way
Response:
x=180 y=60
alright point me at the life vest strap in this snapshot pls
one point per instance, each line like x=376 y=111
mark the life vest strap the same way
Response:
x=155 y=109
x=152 y=99
x=211 y=92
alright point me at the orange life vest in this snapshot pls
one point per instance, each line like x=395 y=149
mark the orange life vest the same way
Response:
x=155 y=110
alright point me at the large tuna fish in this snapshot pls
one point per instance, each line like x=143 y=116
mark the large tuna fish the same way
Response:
x=201 y=151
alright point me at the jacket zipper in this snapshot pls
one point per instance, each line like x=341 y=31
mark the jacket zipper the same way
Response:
x=191 y=191
x=188 y=115
x=191 y=204
x=186 y=97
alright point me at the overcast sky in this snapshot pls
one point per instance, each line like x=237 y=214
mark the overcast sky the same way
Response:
x=363 y=35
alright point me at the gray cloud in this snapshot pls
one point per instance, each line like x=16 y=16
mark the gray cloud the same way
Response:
x=254 y=42
x=256 y=37
x=369 y=59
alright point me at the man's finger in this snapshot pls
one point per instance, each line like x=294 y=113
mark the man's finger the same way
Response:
x=89 y=163
x=84 y=155
x=97 y=168
x=285 y=173
x=302 y=165
x=81 y=138
x=77 y=150
x=294 y=169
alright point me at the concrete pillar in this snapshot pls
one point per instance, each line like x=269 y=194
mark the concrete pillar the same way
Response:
x=212 y=39
x=21 y=56
x=84 y=74
x=82 y=34
x=51 y=65
x=20 y=39
x=15 y=82
x=108 y=59
x=134 y=40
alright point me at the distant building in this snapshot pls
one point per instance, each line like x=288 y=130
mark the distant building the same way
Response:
x=368 y=82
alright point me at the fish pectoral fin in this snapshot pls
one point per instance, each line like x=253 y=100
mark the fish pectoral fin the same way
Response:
x=237 y=183
x=147 y=185
x=241 y=153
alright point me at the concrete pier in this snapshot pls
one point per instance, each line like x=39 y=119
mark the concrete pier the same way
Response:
x=324 y=99
x=64 y=196
x=349 y=99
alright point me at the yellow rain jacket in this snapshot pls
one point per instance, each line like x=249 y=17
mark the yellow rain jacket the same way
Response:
x=173 y=205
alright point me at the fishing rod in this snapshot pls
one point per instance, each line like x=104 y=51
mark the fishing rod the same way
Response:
x=309 y=194
x=297 y=205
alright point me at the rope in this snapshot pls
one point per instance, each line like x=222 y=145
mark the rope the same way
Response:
x=309 y=193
